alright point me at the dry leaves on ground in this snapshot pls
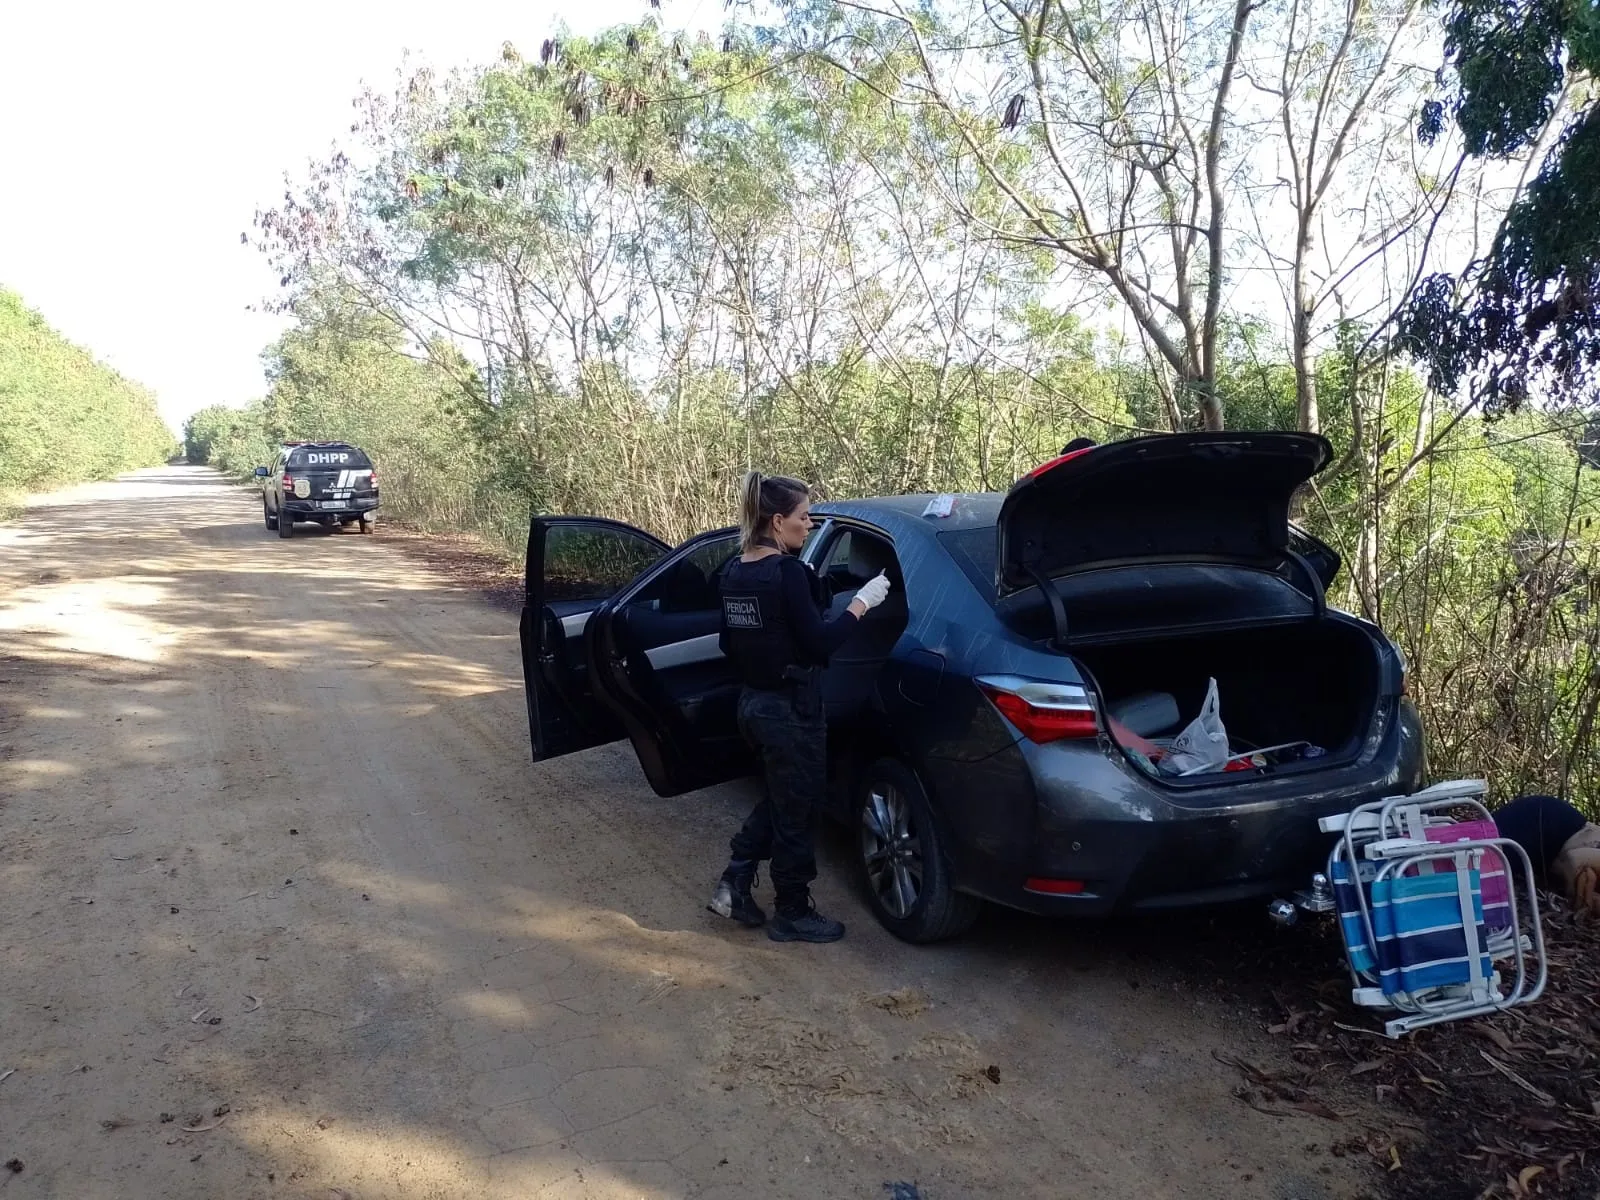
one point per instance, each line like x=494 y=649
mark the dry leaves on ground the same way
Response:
x=1508 y=1105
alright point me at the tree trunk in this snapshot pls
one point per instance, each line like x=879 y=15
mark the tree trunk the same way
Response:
x=1203 y=387
x=1364 y=571
x=1307 y=418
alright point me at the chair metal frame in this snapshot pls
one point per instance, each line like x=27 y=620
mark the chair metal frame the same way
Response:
x=1388 y=837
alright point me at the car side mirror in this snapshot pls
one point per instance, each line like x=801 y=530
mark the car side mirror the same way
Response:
x=262 y=472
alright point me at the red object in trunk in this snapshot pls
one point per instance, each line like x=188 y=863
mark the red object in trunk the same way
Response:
x=1130 y=740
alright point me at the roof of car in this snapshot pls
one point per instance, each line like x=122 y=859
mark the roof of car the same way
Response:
x=968 y=510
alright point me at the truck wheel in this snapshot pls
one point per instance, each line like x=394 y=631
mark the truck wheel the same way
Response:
x=369 y=522
x=266 y=515
x=285 y=524
x=903 y=863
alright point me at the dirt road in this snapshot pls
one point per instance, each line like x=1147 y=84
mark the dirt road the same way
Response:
x=274 y=863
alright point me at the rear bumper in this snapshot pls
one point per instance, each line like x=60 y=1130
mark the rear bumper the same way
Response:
x=308 y=509
x=1165 y=864
x=1134 y=845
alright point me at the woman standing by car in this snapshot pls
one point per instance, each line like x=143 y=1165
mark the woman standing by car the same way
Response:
x=774 y=634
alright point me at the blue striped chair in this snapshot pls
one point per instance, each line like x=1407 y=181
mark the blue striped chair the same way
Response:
x=1412 y=914
x=1420 y=940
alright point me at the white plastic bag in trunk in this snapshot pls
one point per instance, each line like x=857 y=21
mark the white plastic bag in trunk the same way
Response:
x=1203 y=744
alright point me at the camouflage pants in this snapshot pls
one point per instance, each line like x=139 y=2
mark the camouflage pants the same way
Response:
x=788 y=730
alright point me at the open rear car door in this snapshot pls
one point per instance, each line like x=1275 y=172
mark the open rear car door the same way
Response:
x=575 y=564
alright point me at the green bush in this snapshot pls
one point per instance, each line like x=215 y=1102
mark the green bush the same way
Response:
x=65 y=417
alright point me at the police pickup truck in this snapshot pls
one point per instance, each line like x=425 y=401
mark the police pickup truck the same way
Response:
x=331 y=483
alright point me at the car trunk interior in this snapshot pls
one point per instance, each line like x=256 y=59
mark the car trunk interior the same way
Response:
x=1310 y=681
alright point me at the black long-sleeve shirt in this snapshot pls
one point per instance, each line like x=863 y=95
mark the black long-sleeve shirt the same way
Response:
x=772 y=619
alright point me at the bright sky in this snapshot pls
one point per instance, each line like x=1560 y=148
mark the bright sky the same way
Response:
x=141 y=138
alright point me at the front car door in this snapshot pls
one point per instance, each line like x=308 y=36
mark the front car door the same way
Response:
x=574 y=565
x=657 y=667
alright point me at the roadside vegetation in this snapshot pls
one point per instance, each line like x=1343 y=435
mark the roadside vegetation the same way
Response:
x=64 y=417
x=918 y=250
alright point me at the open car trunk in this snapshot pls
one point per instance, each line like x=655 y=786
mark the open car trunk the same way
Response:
x=1161 y=563
x=1311 y=686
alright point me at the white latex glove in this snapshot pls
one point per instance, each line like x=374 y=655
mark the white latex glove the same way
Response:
x=873 y=592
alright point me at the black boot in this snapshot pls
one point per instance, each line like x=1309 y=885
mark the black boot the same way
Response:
x=801 y=922
x=732 y=898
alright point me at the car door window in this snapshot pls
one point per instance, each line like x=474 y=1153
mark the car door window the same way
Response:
x=821 y=527
x=692 y=583
x=838 y=553
x=855 y=556
x=836 y=562
x=683 y=601
x=585 y=562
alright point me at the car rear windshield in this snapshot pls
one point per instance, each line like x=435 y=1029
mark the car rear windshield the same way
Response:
x=974 y=552
x=303 y=457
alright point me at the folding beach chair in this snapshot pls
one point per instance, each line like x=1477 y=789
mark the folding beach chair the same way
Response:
x=1434 y=928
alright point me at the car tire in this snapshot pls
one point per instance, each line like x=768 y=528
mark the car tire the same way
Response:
x=369 y=522
x=266 y=515
x=285 y=524
x=903 y=864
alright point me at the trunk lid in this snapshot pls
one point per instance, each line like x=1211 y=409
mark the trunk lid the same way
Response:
x=1199 y=498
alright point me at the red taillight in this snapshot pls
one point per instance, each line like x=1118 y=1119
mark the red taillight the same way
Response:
x=1055 y=887
x=288 y=482
x=372 y=478
x=1043 y=711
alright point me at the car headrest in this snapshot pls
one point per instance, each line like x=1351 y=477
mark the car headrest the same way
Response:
x=686 y=589
x=868 y=556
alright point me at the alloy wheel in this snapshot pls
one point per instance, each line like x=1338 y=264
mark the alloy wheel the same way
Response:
x=891 y=849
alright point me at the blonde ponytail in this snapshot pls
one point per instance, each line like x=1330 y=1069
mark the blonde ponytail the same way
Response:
x=762 y=497
x=750 y=510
